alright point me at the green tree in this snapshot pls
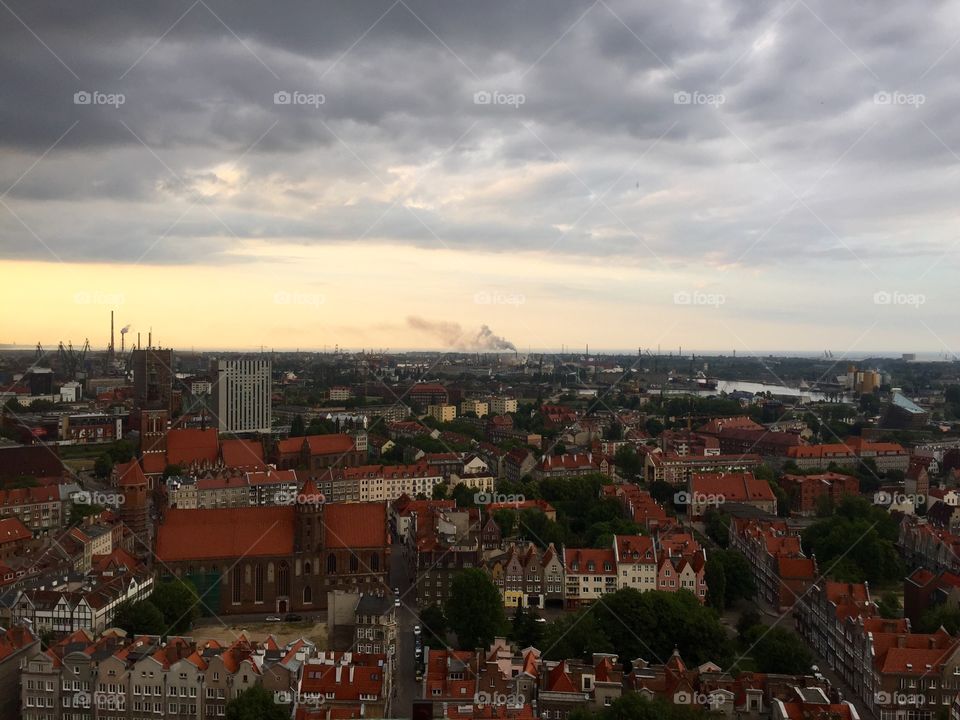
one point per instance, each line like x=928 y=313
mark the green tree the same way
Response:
x=858 y=543
x=103 y=465
x=889 y=606
x=298 y=428
x=434 y=626
x=717 y=526
x=464 y=496
x=255 y=703
x=749 y=619
x=940 y=616
x=654 y=427
x=716 y=584
x=777 y=650
x=139 y=618
x=526 y=628
x=172 y=471
x=505 y=520
x=576 y=635
x=668 y=620
x=178 y=602
x=737 y=573
x=475 y=609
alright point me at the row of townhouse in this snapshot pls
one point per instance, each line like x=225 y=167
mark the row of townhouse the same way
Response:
x=42 y=508
x=527 y=576
x=570 y=465
x=509 y=683
x=345 y=685
x=669 y=562
x=896 y=673
x=782 y=572
x=850 y=452
x=117 y=677
x=232 y=488
x=676 y=469
x=65 y=604
x=504 y=682
x=925 y=545
x=377 y=483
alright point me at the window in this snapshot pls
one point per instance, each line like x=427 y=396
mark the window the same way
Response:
x=307 y=594
x=258 y=583
x=235 y=585
x=283 y=579
x=331 y=563
x=354 y=563
x=375 y=562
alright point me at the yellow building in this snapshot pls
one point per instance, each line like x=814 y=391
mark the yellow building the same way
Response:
x=442 y=413
x=503 y=405
x=477 y=407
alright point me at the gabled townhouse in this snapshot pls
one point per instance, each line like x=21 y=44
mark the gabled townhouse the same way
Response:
x=527 y=576
x=116 y=677
x=781 y=570
x=450 y=676
x=351 y=685
x=567 y=685
x=589 y=575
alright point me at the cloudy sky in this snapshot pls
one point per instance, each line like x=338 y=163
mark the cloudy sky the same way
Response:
x=722 y=174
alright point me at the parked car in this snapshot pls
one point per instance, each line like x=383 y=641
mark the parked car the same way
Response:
x=396 y=602
x=416 y=629
x=274 y=618
x=292 y=617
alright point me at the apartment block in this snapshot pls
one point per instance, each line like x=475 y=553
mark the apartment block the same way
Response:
x=242 y=395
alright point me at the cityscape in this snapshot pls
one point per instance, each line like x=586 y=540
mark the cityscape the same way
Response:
x=517 y=360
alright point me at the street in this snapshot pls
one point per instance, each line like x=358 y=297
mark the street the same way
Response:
x=406 y=688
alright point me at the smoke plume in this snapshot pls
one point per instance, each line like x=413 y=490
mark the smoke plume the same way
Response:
x=452 y=335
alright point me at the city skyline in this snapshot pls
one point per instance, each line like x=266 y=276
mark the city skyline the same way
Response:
x=765 y=178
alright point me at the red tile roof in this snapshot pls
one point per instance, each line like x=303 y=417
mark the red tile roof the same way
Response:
x=12 y=530
x=733 y=486
x=329 y=444
x=189 y=445
x=355 y=525
x=130 y=474
x=237 y=453
x=226 y=533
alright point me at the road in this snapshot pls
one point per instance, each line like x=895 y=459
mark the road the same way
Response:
x=406 y=688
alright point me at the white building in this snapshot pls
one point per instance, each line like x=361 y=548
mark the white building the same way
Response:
x=242 y=396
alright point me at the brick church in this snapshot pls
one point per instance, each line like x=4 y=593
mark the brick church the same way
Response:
x=277 y=559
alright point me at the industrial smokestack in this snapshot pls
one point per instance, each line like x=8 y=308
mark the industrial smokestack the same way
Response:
x=111 y=332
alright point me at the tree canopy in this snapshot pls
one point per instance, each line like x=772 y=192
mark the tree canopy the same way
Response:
x=475 y=609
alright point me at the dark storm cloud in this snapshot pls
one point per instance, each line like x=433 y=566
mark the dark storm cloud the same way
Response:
x=594 y=156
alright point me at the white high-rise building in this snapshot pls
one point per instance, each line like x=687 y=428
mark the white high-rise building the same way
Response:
x=241 y=395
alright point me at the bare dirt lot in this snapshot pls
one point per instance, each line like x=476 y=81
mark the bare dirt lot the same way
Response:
x=211 y=629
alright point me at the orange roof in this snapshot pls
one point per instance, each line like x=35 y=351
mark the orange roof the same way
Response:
x=733 y=487
x=226 y=533
x=189 y=445
x=238 y=453
x=558 y=680
x=130 y=474
x=590 y=560
x=329 y=444
x=154 y=463
x=12 y=530
x=355 y=525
